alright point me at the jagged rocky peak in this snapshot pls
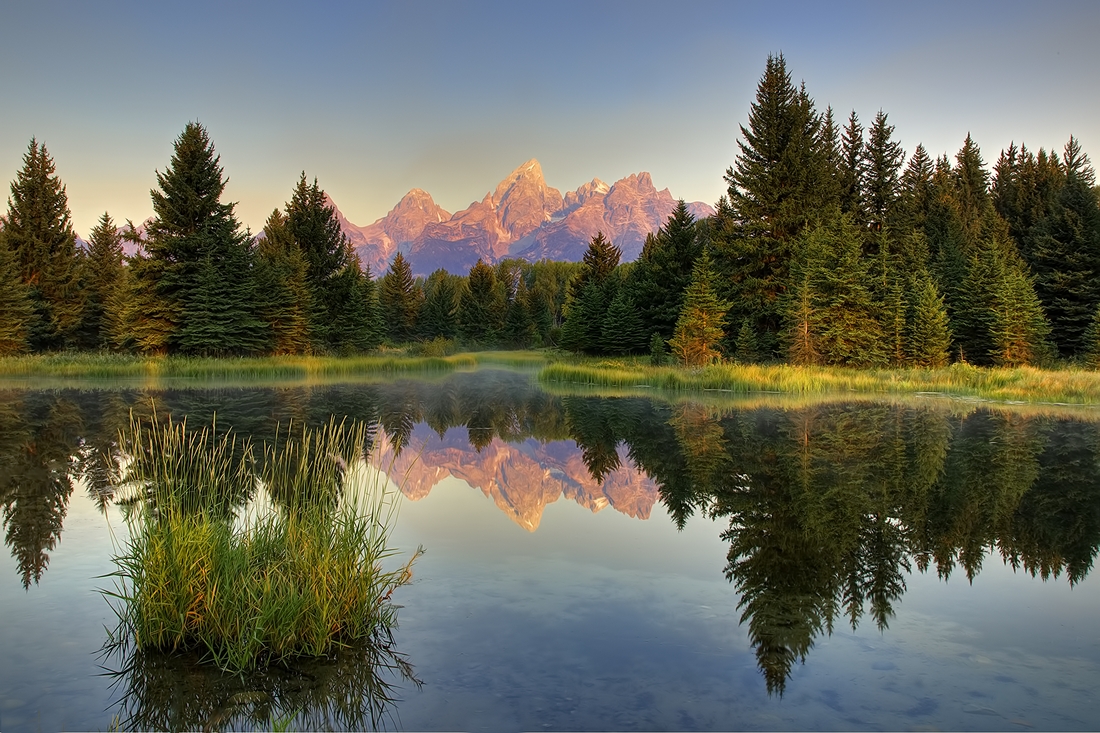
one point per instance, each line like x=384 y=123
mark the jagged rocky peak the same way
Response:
x=595 y=187
x=413 y=212
x=524 y=201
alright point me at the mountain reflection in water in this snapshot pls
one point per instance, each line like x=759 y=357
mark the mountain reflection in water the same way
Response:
x=828 y=506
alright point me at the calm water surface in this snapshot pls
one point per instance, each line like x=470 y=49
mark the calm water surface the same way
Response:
x=609 y=563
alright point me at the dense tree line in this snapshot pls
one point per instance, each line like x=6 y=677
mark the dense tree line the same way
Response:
x=200 y=284
x=829 y=247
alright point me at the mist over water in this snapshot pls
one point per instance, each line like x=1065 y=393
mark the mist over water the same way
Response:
x=611 y=562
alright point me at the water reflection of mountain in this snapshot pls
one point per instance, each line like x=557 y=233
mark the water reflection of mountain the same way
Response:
x=827 y=507
x=521 y=477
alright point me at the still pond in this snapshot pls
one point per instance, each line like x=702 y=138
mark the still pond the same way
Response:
x=603 y=562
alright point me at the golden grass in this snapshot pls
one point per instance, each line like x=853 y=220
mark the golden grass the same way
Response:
x=1023 y=384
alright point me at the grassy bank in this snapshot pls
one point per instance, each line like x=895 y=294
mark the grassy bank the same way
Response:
x=1069 y=386
x=1062 y=386
x=92 y=366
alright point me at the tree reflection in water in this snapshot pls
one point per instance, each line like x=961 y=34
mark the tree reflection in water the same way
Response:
x=828 y=507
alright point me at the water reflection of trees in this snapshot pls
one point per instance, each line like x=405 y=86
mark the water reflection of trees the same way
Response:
x=827 y=507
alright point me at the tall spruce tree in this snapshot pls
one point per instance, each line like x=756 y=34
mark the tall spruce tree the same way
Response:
x=779 y=183
x=916 y=192
x=102 y=273
x=599 y=260
x=883 y=159
x=357 y=325
x=313 y=225
x=201 y=263
x=852 y=170
x=519 y=328
x=39 y=232
x=590 y=292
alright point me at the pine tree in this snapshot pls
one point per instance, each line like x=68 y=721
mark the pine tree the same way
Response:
x=480 y=311
x=438 y=316
x=102 y=273
x=928 y=340
x=1018 y=327
x=622 y=327
x=779 y=183
x=583 y=329
x=916 y=192
x=38 y=231
x=747 y=350
x=200 y=262
x=541 y=316
x=662 y=274
x=852 y=170
x=142 y=320
x=399 y=299
x=314 y=227
x=357 y=326
x=599 y=261
x=831 y=315
x=658 y=354
x=832 y=157
x=1063 y=241
x=281 y=276
x=883 y=158
x=16 y=309
x=699 y=330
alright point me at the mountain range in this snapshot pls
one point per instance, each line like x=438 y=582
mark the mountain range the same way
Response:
x=522 y=217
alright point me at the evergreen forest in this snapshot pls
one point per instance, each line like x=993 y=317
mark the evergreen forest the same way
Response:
x=833 y=246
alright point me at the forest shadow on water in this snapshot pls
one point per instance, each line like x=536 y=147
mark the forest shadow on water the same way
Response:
x=825 y=509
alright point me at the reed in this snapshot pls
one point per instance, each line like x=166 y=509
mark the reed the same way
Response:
x=1024 y=384
x=297 y=570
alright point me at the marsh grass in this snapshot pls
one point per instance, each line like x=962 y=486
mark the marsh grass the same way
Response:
x=101 y=366
x=1024 y=384
x=250 y=556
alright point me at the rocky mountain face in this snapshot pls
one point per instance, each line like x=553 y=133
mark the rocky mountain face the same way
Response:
x=521 y=217
x=521 y=478
x=377 y=243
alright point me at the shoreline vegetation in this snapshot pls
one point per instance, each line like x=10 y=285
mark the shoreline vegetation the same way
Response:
x=1065 y=386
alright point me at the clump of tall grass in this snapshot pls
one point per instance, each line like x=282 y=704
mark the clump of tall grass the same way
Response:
x=249 y=555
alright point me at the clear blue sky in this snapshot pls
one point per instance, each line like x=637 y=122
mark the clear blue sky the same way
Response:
x=376 y=98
